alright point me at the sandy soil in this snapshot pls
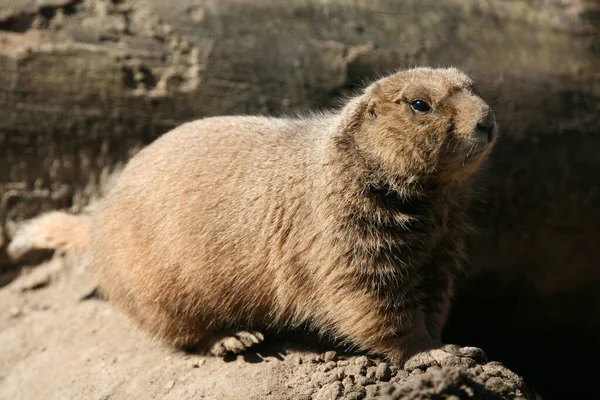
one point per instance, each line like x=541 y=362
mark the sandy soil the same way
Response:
x=58 y=341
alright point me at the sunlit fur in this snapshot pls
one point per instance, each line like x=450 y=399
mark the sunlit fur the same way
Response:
x=351 y=222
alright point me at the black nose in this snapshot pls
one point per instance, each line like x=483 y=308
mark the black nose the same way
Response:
x=487 y=124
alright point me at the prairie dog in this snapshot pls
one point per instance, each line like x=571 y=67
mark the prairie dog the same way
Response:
x=350 y=222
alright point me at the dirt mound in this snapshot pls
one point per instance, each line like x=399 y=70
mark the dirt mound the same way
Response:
x=58 y=341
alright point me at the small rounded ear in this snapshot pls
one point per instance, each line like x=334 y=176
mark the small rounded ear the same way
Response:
x=372 y=108
x=354 y=114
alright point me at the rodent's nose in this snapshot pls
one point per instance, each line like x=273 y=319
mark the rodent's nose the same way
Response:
x=487 y=124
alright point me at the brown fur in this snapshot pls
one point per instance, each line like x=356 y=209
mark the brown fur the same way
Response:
x=352 y=223
x=54 y=230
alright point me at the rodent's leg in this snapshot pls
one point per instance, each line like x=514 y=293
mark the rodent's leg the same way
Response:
x=437 y=305
x=236 y=343
x=368 y=324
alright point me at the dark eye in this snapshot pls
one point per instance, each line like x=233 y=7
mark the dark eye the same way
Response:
x=420 y=107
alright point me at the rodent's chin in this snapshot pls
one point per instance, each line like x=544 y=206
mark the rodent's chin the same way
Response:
x=476 y=155
x=460 y=167
x=473 y=150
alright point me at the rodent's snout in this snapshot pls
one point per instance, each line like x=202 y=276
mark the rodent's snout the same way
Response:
x=487 y=124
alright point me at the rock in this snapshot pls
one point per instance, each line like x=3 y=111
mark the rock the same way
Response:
x=383 y=372
x=363 y=361
x=330 y=356
x=169 y=385
x=196 y=362
x=330 y=391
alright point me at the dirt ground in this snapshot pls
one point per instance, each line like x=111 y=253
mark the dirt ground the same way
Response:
x=59 y=341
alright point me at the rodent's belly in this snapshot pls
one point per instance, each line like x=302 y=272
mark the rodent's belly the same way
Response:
x=219 y=274
x=195 y=239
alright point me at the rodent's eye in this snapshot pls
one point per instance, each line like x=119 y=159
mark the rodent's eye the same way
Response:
x=420 y=107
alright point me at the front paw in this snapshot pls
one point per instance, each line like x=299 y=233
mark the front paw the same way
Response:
x=446 y=356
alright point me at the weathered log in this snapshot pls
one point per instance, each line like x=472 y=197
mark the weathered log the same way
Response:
x=84 y=84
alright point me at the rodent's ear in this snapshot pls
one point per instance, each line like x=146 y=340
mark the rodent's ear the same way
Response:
x=371 y=108
x=355 y=113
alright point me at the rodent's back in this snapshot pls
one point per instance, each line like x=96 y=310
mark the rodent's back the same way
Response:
x=208 y=212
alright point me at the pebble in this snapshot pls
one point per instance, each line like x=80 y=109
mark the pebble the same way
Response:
x=401 y=375
x=329 y=366
x=15 y=312
x=434 y=368
x=371 y=373
x=355 y=370
x=363 y=361
x=169 y=385
x=495 y=384
x=348 y=382
x=35 y=280
x=383 y=372
x=477 y=370
x=355 y=395
x=330 y=356
x=330 y=391
x=462 y=362
x=372 y=390
x=386 y=388
x=320 y=379
x=365 y=380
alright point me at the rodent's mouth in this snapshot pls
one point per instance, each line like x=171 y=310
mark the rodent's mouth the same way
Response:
x=479 y=146
x=475 y=153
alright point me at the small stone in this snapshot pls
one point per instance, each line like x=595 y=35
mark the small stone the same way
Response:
x=355 y=395
x=401 y=375
x=297 y=359
x=348 y=381
x=372 y=390
x=363 y=381
x=330 y=391
x=35 y=280
x=383 y=372
x=494 y=368
x=475 y=353
x=15 y=312
x=363 y=361
x=371 y=373
x=421 y=361
x=495 y=384
x=330 y=356
x=477 y=370
x=462 y=362
x=386 y=388
x=319 y=379
x=355 y=370
x=169 y=385
x=329 y=366
x=343 y=363
x=304 y=396
x=434 y=368
x=337 y=375
x=196 y=363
